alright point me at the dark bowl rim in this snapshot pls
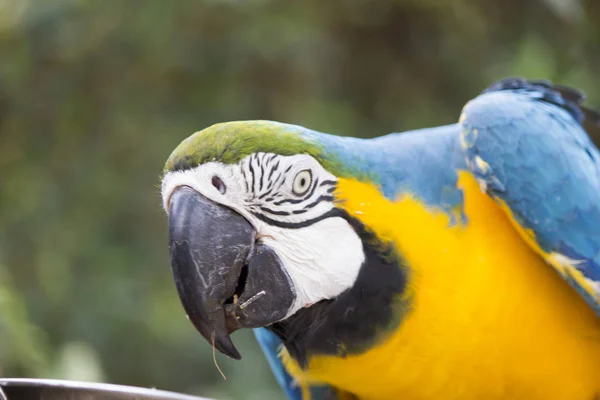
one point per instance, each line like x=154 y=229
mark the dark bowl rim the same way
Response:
x=96 y=387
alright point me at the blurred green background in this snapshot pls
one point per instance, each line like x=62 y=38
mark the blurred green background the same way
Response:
x=94 y=95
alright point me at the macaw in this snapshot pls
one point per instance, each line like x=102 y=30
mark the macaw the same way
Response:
x=456 y=262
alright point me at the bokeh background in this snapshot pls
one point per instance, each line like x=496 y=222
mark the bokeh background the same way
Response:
x=94 y=95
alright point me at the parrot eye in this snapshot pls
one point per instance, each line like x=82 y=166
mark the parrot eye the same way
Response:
x=218 y=184
x=302 y=182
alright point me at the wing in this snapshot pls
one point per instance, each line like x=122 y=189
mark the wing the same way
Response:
x=526 y=145
x=271 y=345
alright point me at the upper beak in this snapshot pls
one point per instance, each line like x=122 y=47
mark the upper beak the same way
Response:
x=225 y=279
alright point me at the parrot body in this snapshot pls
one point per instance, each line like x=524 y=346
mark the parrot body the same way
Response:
x=478 y=275
x=493 y=338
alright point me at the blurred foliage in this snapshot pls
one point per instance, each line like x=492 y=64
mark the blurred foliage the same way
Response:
x=95 y=94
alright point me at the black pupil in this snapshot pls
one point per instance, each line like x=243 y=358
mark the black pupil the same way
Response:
x=302 y=182
x=218 y=184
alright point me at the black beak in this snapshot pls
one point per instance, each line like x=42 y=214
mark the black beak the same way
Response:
x=225 y=279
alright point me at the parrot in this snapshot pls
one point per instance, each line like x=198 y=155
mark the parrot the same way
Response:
x=454 y=262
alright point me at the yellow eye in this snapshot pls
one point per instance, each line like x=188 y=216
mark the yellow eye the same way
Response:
x=302 y=182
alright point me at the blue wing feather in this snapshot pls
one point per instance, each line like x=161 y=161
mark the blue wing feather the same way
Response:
x=271 y=345
x=526 y=144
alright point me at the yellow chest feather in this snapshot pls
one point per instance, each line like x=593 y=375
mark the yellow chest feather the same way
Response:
x=489 y=319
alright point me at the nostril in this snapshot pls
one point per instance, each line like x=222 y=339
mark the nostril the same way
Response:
x=218 y=184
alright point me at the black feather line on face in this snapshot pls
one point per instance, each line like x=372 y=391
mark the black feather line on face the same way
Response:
x=245 y=179
x=280 y=180
x=359 y=317
x=317 y=201
x=272 y=182
x=251 y=175
x=262 y=177
x=289 y=201
x=265 y=194
x=296 y=225
x=274 y=212
x=333 y=183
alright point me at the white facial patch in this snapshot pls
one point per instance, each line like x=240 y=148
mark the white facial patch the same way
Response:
x=287 y=200
x=322 y=260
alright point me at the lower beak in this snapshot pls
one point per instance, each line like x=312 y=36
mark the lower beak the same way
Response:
x=225 y=279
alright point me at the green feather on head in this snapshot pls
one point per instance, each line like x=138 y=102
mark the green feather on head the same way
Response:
x=230 y=142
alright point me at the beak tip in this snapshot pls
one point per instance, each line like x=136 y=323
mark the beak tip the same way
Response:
x=226 y=347
x=236 y=355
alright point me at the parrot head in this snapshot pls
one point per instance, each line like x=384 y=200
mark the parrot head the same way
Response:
x=257 y=236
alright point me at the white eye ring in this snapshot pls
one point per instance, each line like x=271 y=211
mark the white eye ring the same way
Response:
x=302 y=182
